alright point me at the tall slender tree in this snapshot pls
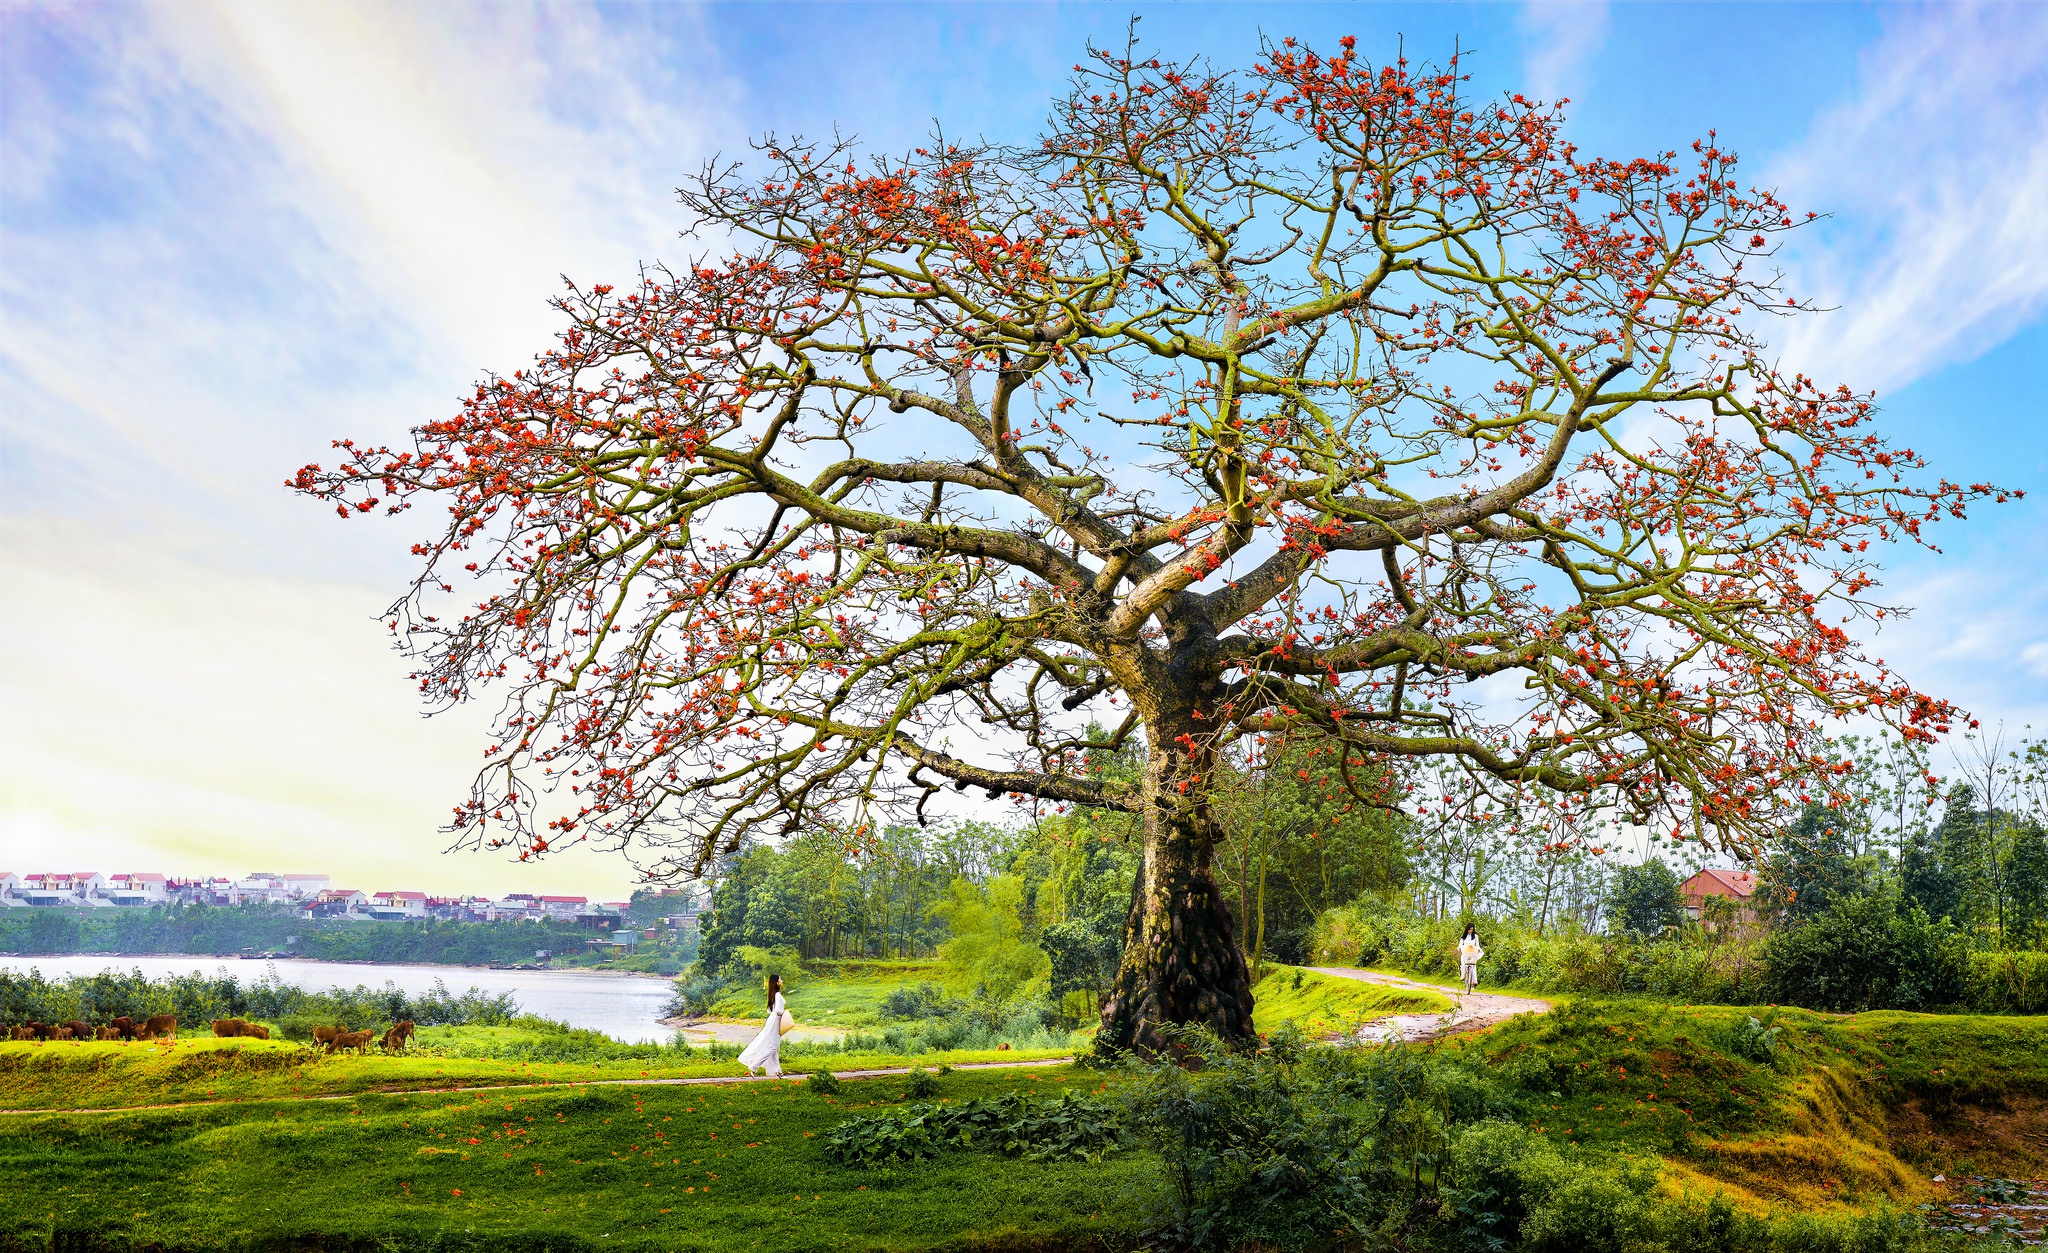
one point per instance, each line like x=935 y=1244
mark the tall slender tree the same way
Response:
x=1305 y=399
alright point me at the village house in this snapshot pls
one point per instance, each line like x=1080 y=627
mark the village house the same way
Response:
x=261 y=888
x=564 y=906
x=520 y=905
x=305 y=887
x=1734 y=886
x=135 y=890
x=339 y=901
x=48 y=890
x=403 y=904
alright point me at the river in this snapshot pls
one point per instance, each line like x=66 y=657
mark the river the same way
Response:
x=625 y=1007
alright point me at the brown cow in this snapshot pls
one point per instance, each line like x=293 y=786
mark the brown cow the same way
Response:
x=126 y=1027
x=165 y=1025
x=395 y=1039
x=255 y=1031
x=359 y=1041
x=61 y=1033
x=227 y=1028
x=43 y=1030
x=325 y=1035
x=107 y=1033
x=21 y=1033
x=81 y=1030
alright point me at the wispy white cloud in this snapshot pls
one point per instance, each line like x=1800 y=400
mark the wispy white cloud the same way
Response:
x=1560 y=40
x=1936 y=168
x=240 y=231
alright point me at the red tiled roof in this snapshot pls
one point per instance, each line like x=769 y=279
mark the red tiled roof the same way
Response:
x=566 y=900
x=1740 y=884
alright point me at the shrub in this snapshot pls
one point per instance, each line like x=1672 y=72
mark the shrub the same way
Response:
x=2007 y=983
x=1867 y=952
x=823 y=1082
x=694 y=993
x=926 y=1000
x=1751 y=1040
x=1294 y=1147
x=923 y=1086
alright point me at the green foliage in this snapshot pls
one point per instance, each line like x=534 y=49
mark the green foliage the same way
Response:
x=822 y=1082
x=1293 y=1147
x=1751 y=1040
x=1868 y=952
x=925 y=1000
x=1063 y=1128
x=1814 y=866
x=1297 y=843
x=1643 y=900
x=197 y=998
x=2008 y=982
x=922 y=1086
x=989 y=954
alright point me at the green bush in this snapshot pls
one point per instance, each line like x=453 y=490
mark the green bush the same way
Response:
x=2007 y=983
x=822 y=1082
x=1293 y=1147
x=1868 y=952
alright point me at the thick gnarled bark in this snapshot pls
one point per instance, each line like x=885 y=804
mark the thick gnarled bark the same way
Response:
x=1182 y=963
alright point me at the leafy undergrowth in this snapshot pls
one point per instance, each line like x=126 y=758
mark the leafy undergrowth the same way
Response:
x=1321 y=1004
x=739 y=1167
x=119 y=1075
x=1063 y=1128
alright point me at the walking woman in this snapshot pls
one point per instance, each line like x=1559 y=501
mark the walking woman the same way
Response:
x=1469 y=955
x=765 y=1053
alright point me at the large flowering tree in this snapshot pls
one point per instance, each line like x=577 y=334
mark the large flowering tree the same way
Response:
x=1314 y=401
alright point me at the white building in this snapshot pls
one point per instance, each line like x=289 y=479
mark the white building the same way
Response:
x=305 y=887
x=521 y=905
x=410 y=904
x=60 y=889
x=135 y=889
x=564 y=906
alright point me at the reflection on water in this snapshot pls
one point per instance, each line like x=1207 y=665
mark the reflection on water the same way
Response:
x=624 y=1007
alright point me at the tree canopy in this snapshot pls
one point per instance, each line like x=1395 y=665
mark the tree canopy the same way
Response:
x=1317 y=400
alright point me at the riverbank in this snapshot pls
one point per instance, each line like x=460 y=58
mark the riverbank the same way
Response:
x=621 y=1005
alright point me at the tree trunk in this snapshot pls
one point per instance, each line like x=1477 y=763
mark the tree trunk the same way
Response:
x=1181 y=960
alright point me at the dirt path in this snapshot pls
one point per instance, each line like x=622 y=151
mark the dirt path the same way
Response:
x=1475 y=1011
x=791 y=1077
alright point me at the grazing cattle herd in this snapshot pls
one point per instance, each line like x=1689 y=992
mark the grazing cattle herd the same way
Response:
x=165 y=1027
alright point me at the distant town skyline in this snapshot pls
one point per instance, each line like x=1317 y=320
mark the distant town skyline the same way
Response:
x=235 y=232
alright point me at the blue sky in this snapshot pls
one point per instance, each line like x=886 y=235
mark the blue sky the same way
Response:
x=230 y=233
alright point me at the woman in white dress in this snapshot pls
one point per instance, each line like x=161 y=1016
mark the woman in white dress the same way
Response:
x=1469 y=954
x=765 y=1053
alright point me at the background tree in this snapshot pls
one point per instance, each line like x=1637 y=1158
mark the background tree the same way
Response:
x=1395 y=394
x=1643 y=899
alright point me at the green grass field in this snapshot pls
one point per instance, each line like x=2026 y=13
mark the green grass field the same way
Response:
x=1324 y=1004
x=849 y=995
x=118 y=1075
x=1837 y=1114
x=698 y=1168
